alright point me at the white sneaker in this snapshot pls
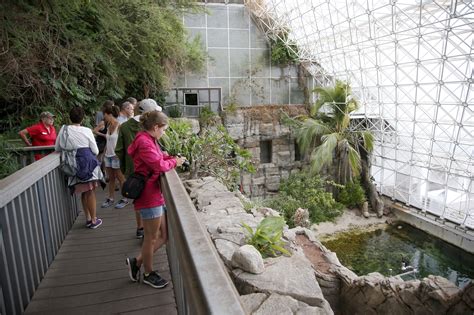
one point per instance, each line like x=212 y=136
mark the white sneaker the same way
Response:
x=122 y=203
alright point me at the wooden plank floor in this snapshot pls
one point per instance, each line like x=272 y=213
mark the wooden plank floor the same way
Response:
x=89 y=275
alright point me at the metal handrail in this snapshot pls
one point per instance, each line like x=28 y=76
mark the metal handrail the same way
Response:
x=201 y=282
x=26 y=155
x=36 y=212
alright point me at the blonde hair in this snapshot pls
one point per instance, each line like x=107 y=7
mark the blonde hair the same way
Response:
x=151 y=119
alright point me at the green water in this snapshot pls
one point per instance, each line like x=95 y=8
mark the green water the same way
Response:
x=385 y=249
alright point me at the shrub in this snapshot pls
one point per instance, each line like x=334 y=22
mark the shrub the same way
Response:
x=267 y=236
x=206 y=117
x=211 y=153
x=302 y=190
x=352 y=195
x=174 y=111
x=59 y=54
x=8 y=159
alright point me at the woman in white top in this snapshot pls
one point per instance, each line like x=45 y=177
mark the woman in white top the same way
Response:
x=111 y=160
x=79 y=141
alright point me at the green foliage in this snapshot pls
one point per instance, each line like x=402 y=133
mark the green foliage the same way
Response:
x=58 y=54
x=174 y=111
x=252 y=204
x=303 y=190
x=9 y=163
x=352 y=195
x=327 y=136
x=283 y=53
x=267 y=236
x=212 y=152
x=231 y=108
x=206 y=116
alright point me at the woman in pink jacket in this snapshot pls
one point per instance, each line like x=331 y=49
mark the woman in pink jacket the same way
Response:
x=150 y=161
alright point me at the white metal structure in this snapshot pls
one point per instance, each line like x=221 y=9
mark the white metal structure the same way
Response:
x=410 y=64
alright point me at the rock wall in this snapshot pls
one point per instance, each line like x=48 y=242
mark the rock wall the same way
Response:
x=311 y=280
x=249 y=127
x=376 y=294
x=286 y=285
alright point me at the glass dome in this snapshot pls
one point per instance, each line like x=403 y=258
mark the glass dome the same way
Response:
x=410 y=64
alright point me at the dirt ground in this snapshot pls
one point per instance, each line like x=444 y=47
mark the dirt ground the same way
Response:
x=349 y=220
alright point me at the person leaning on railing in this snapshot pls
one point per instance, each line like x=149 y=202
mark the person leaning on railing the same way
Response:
x=41 y=134
x=127 y=132
x=149 y=160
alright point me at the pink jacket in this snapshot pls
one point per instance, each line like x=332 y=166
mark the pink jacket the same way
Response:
x=148 y=159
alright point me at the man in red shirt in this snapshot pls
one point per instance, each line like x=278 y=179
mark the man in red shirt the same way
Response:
x=41 y=134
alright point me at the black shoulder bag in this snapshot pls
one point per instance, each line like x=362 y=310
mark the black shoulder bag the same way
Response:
x=133 y=186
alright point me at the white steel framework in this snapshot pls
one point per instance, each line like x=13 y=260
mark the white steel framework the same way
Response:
x=410 y=64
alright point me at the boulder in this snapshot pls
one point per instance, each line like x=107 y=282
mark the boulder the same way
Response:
x=249 y=259
x=291 y=276
x=280 y=304
x=438 y=293
x=265 y=212
x=301 y=218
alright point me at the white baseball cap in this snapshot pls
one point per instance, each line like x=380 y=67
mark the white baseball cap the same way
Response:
x=148 y=105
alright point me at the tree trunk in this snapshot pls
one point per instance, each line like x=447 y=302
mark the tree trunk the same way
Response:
x=374 y=198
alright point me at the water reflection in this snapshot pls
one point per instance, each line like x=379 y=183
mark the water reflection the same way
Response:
x=385 y=251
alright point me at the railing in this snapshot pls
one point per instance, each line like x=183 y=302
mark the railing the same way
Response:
x=26 y=155
x=201 y=282
x=36 y=212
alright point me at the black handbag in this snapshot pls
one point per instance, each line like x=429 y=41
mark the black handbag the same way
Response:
x=133 y=186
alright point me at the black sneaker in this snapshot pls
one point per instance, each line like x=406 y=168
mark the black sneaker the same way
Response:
x=140 y=233
x=133 y=269
x=155 y=280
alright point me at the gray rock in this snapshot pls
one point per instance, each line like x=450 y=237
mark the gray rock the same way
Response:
x=301 y=217
x=291 y=276
x=365 y=209
x=249 y=259
x=221 y=205
x=468 y=295
x=252 y=302
x=280 y=304
x=438 y=293
x=216 y=223
x=226 y=249
x=266 y=212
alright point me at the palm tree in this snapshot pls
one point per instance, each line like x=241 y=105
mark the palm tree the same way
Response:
x=326 y=135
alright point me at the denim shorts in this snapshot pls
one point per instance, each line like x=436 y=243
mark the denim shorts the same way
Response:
x=152 y=213
x=112 y=162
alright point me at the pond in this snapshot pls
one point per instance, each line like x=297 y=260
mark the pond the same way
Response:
x=385 y=251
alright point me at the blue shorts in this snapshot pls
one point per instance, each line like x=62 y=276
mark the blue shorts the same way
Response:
x=112 y=162
x=152 y=213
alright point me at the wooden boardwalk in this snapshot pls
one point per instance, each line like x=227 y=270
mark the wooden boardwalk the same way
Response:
x=89 y=275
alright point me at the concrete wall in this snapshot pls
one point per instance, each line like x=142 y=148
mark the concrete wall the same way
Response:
x=432 y=225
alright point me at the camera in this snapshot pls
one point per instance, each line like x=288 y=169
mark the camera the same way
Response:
x=186 y=166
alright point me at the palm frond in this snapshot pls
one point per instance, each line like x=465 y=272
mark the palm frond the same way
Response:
x=354 y=160
x=369 y=140
x=309 y=132
x=323 y=155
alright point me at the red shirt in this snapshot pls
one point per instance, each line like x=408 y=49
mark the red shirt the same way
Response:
x=40 y=136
